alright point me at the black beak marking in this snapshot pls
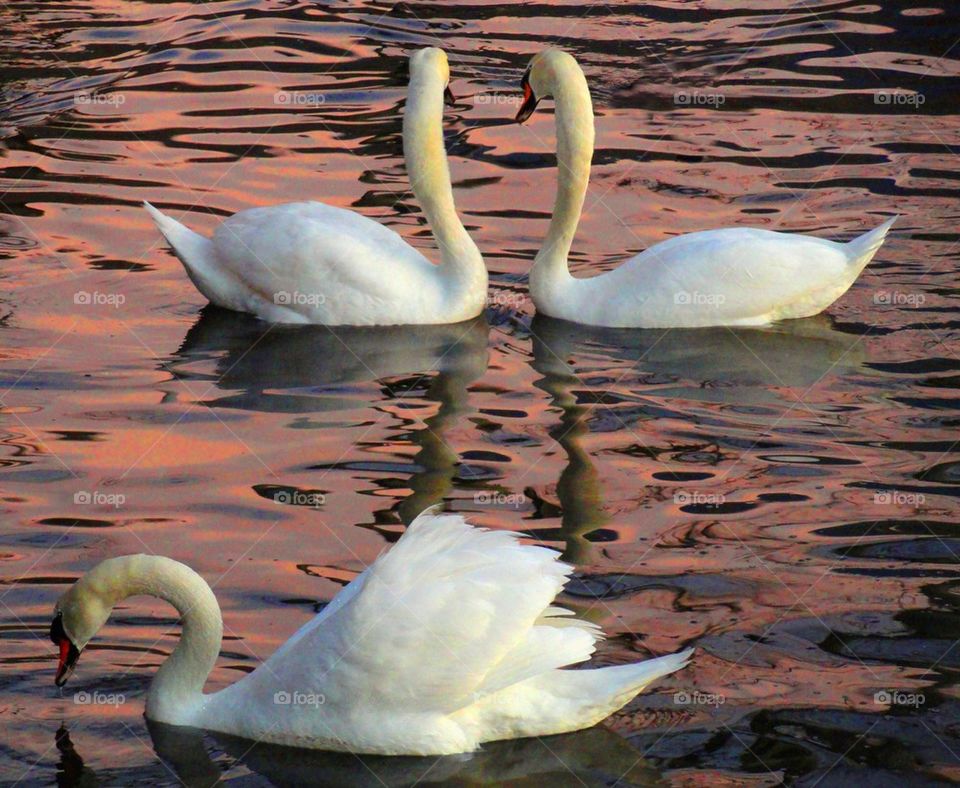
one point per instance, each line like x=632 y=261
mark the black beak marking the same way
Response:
x=448 y=98
x=69 y=653
x=530 y=101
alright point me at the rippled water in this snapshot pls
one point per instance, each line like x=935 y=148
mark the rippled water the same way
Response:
x=784 y=499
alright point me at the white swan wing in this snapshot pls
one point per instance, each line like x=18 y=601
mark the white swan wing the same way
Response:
x=448 y=614
x=729 y=276
x=314 y=255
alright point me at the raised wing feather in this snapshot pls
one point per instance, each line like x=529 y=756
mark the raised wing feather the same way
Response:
x=448 y=614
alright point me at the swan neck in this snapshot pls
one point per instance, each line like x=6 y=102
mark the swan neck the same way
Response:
x=574 y=119
x=176 y=693
x=429 y=174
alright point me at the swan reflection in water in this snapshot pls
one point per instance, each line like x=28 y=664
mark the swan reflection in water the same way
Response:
x=792 y=354
x=579 y=490
x=737 y=365
x=313 y=369
x=593 y=757
x=596 y=756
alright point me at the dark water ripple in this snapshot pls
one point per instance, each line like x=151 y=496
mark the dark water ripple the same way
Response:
x=785 y=498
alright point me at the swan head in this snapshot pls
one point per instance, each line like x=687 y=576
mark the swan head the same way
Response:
x=541 y=78
x=432 y=61
x=79 y=614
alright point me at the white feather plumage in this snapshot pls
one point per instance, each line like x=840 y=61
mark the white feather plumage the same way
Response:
x=449 y=639
x=734 y=276
x=307 y=262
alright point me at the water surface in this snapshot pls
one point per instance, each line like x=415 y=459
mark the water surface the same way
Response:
x=783 y=498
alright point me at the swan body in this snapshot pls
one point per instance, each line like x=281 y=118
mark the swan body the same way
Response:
x=307 y=262
x=448 y=640
x=727 y=277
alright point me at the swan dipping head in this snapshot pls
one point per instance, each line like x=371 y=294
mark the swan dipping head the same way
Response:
x=78 y=616
x=176 y=692
x=541 y=78
x=385 y=687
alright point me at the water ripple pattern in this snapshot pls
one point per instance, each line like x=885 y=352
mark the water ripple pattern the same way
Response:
x=785 y=499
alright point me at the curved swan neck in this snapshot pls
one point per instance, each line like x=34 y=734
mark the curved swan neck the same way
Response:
x=574 y=119
x=177 y=689
x=426 y=160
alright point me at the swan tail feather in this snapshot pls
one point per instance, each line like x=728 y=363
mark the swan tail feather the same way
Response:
x=861 y=250
x=601 y=691
x=632 y=679
x=570 y=700
x=193 y=250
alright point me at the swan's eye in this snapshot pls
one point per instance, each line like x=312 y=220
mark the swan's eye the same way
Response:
x=56 y=629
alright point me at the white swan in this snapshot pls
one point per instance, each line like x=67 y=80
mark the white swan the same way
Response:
x=448 y=640
x=732 y=277
x=306 y=262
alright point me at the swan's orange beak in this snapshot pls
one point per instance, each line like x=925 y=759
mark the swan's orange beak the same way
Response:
x=529 y=104
x=69 y=653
